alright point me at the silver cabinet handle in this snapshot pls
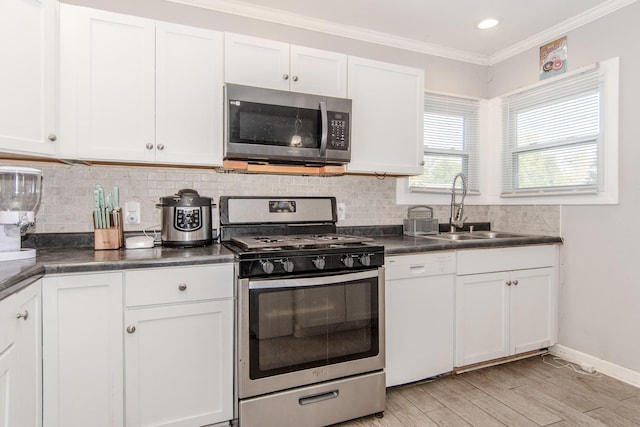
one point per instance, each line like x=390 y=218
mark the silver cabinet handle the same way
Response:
x=52 y=137
x=24 y=315
x=508 y=282
x=294 y=78
x=182 y=287
x=149 y=146
x=515 y=283
x=131 y=329
x=285 y=76
x=160 y=147
x=422 y=163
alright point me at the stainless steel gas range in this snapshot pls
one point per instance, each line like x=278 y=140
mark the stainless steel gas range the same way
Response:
x=310 y=314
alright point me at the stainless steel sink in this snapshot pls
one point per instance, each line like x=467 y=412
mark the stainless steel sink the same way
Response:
x=455 y=236
x=496 y=234
x=474 y=235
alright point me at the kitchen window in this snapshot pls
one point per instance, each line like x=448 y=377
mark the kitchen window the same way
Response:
x=558 y=134
x=451 y=135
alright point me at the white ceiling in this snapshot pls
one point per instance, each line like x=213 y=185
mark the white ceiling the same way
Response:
x=438 y=27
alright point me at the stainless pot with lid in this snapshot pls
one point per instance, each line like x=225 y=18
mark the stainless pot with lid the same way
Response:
x=186 y=219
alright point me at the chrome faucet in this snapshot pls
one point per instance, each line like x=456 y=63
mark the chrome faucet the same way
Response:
x=456 y=220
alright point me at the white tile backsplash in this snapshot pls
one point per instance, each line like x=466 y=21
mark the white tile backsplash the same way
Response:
x=67 y=199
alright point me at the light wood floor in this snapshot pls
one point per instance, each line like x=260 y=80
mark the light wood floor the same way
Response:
x=528 y=392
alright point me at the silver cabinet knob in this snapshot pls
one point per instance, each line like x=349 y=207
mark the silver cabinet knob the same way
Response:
x=515 y=283
x=422 y=163
x=160 y=147
x=182 y=287
x=508 y=282
x=149 y=146
x=285 y=76
x=294 y=78
x=52 y=137
x=24 y=315
x=131 y=329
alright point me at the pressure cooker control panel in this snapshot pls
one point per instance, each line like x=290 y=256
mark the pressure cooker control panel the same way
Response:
x=188 y=219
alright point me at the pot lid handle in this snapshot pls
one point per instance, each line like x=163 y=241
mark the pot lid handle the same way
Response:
x=188 y=192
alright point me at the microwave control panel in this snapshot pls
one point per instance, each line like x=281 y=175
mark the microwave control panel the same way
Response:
x=338 y=136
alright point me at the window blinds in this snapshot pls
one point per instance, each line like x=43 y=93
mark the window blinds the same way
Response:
x=552 y=137
x=451 y=140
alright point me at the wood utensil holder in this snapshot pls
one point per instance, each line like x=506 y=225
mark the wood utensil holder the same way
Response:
x=111 y=237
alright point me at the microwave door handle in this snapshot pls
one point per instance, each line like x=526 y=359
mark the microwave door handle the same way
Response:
x=325 y=129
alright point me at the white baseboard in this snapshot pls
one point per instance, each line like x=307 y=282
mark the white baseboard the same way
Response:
x=610 y=369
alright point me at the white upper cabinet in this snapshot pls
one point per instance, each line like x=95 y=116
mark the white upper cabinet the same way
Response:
x=387 y=120
x=28 y=76
x=138 y=90
x=271 y=64
x=189 y=93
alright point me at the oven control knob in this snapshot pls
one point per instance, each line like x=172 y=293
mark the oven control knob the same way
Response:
x=319 y=263
x=348 y=261
x=365 y=259
x=267 y=266
x=287 y=265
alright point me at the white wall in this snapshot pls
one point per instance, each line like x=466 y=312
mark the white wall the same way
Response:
x=600 y=289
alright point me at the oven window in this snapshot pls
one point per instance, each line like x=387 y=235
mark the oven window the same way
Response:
x=275 y=125
x=300 y=328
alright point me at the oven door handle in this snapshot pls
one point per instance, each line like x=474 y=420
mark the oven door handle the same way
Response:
x=325 y=129
x=312 y=281
x=318 y=397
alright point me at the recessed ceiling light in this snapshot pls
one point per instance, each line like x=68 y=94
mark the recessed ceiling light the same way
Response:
x=487 y=23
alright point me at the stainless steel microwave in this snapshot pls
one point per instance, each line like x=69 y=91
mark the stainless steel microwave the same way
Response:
x=286 y=127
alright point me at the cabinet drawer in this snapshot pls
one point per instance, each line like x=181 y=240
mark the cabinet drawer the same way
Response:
x=505 y=259
x=179 y=284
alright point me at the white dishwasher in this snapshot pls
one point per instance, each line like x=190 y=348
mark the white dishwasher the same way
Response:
x=419 y=300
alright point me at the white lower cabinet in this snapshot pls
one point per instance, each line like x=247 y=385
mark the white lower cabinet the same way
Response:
x=419 y=306
x=169 y=364
x=506 y=302
x=82 y=350
x=179 y=346
x=20 y=369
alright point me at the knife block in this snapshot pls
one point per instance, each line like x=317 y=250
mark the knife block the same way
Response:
x=111 y=237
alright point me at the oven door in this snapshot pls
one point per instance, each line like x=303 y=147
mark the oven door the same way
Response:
x=300 y=331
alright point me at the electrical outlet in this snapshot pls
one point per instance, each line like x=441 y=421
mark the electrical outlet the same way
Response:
x=132 y=213
x=342 y=211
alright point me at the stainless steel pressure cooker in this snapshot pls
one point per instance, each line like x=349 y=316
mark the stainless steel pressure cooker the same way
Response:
x=186 y=219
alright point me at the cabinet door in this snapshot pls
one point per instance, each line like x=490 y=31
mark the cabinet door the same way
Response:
x=257 y=62
x=188 y=95
x=20 y=372
x=387 y=123
x=114 y=57
x=82 y=350
x=482 y=317
x=179 y=364
x=532 y=309
x=28 y=76
x=319 y=72
x=419 y=328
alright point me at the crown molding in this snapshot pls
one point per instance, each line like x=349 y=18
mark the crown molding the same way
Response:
x=559 y=30
x=356 y=33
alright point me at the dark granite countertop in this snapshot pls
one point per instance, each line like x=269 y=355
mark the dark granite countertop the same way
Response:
x=400 y=245
x=14 y=275
x=75 y=256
